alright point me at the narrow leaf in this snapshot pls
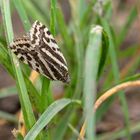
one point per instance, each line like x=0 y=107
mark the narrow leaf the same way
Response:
x=46 y=117
x=23 y=95
x=92 y=60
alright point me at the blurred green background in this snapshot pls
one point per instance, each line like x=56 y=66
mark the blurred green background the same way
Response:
x=98 y=57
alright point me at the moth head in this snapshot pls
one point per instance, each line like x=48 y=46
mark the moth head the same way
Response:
x=66 y=78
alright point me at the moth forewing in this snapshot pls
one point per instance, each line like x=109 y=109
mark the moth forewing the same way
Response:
x=40 y=51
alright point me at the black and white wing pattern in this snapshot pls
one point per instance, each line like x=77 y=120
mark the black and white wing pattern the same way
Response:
x=21 y=48
x=40 y=51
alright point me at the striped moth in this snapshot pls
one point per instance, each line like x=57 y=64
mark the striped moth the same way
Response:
x=40 y=51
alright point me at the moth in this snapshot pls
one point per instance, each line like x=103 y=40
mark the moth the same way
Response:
x=40 y=51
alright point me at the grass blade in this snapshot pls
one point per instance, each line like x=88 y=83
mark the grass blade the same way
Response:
x=8 y=117
x=9 y=91
x=68 y=50
x=22 y=13
x=104 y=52
x=46 y=82
x=23 y=95
x=126 y=27
x=92 y=60
x=46 y=117
x=33 y=93
x=53 y=16
x=33 y=11
x=5 y=59
x=62 y=125
x=115 y=68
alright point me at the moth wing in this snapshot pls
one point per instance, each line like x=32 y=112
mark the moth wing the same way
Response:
x=35 y=33
x=43 y=41
x=39 y=34
x=22 y=48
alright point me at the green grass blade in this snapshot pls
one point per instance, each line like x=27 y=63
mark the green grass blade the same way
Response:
x=46 y=82
x=33 y=11
x=62 y=27
x=92 y=60
x=5 y=60
x=19 y=136
x=75 y=131
x=7 y=116
x=62 y=125
x=53 y=16
x=23 y=95
x=126 y=27
x=82 y=6
x=115 y=69
x=46 y=117
x=86 y=14
x=9 y=91
x=33 y=93
x=104 y=52
x=3 y=41
x=45 y=93
x=131 y=78
x=22 y=13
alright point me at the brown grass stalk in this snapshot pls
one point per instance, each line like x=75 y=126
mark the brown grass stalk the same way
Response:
x=105 y=96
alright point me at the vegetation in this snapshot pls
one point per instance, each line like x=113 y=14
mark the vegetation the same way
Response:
x=90 y=45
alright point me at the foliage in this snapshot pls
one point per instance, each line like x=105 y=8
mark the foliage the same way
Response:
x=90 y=44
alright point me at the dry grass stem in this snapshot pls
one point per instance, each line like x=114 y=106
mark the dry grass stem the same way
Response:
x=108 y=94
